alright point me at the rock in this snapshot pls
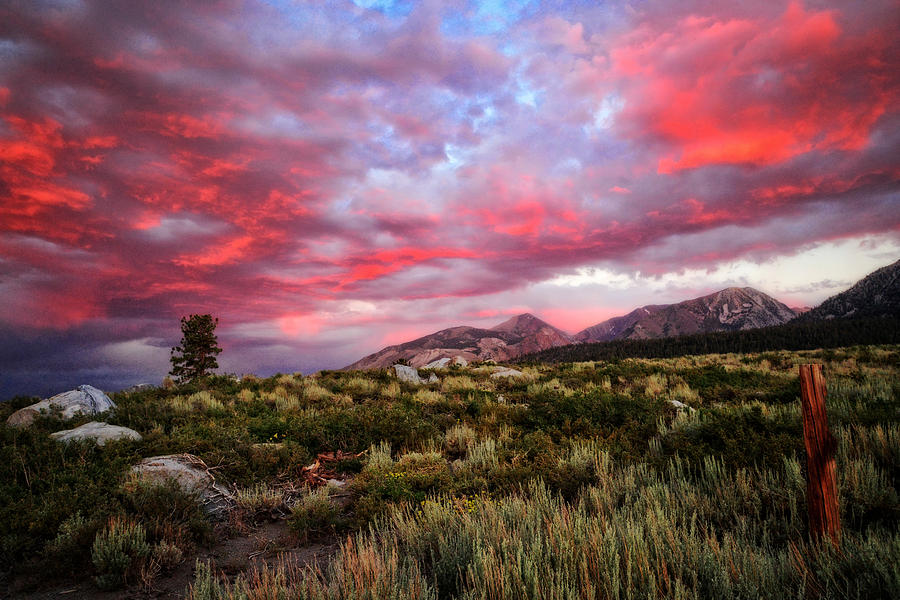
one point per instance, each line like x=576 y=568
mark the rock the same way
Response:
x=437 y=364
x=84 y=399
x=460 y=361
x=408 y=374
x=191 y=475
x=433 y=378
x=99 y=432
x=507 y=373
x=681 y=405
x=138 y=387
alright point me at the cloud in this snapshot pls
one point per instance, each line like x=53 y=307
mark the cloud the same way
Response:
x=722 y=90
x=275 y=164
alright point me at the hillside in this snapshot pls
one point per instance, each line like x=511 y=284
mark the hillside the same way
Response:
x=519 y=335
x=731 y=309
x=794 y=335
x=876 y=295
x=312 y=486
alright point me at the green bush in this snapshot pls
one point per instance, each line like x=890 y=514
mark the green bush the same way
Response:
x=167 y=512
x=68 y=550
x=118 y=552
x=314 y=512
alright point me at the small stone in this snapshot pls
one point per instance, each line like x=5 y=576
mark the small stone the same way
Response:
x=680 y=405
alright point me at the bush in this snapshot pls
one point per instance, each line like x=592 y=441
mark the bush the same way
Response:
x=118 y=552
x=459 y=439
x=166 y=555
x=259 y=500
x=169 y=513
x=313 y=512
x=68 y=550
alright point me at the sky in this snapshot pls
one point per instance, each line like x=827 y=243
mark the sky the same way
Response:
x=328 y=178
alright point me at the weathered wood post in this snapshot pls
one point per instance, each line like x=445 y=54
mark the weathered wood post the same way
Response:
x=821 y=484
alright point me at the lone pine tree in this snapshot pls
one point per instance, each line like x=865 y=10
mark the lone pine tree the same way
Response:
x=196 y=356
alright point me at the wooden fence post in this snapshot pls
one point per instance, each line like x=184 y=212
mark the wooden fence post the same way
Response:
x=821 y=484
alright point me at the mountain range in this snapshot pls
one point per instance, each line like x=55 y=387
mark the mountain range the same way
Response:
x=731 y=309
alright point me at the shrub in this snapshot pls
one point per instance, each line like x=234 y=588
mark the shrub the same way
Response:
x=168 y=512
x=458 y=439
x=118 y=552
x=458 y=383
x=360 y=387
x=380 y=457
x=68 y=550
x=425 y=396
x=482 y=456
x=315 y=393
x=391 y=390
x=260 y=498
x=166 y=555
x=313 y=512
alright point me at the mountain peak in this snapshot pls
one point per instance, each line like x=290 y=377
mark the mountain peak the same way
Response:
x=726 y=310
x=521 y=334
x=517 y=322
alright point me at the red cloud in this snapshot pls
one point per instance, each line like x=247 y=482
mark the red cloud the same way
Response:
x=753 y=92
x=385 y=262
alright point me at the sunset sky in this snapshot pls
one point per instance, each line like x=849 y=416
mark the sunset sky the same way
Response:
x=332 y=177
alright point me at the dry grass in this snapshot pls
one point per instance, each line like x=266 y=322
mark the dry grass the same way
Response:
x=458 y=383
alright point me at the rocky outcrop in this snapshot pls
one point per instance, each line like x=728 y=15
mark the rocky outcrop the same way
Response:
x=726 y=310
x=83 y=400
x=99 y=432
x=190 y=474
x=438 y=364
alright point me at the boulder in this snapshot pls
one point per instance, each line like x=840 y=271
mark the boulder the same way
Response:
x=433 y=378
x=437 y=364
x=408 y=374
x=507 y=373
x=460 y=361
x=99 y=432
x=191 y=475
x=84 y=399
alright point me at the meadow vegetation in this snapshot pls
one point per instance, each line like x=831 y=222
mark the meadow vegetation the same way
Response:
x=578 y=480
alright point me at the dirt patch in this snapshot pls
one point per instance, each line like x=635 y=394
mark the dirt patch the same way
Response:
x=265 y=544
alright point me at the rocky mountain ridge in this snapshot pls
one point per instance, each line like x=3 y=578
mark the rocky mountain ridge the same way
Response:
x=875 y=295
x=730 y=309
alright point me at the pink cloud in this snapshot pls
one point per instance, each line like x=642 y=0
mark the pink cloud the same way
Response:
x=751 y=91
